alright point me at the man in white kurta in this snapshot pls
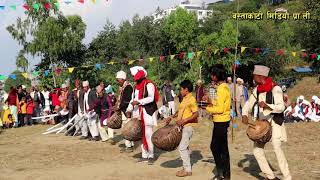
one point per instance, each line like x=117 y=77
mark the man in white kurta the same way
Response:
x=141 y=104
x=265 y=113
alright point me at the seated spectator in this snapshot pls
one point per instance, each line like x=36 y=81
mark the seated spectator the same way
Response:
x=315 y=116
x=293 y=114
x=314 y=102
x=306 y=110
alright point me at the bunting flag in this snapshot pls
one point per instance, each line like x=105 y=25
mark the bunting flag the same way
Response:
x=35 y=73
x=25 y=75
x=26 y=7
x=47 y=6
x=225 y=50
x=36 y=6
x=265 y=51
x=294 y=54
x=81 y=1
x=2 y=7
x=3 y=77
x=13 y=76
x=67 y=2
x=318 y=57
x=94 y=1
x=98 y=67
x=57 y=5
x=258 y=50
x=216 y=51
x=199 y=53
x=243 y=49
x=162 y=58
x=13 y=7
x=151 y=59
x=303 y=54
x=237 y=62
x=313 y=56
x=46 y=72
x=131 y=62
x=181 y=55
x=280 y=52
x=190 y=55
x=172 y=57
x=58 y=71
x=112 y=62
x=71 y=69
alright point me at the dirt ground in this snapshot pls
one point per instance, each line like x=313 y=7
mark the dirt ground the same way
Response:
x=27 y=154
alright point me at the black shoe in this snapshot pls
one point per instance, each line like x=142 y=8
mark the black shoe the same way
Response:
x=129 y=150
x=83 y=137
x=94 y=139
x=151 y=161
x=143 y=160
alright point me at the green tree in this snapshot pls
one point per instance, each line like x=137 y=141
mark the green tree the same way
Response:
x=22 y=62
x=181 y=29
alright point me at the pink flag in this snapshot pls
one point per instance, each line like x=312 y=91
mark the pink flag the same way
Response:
x=26 y=7
x=47 y=6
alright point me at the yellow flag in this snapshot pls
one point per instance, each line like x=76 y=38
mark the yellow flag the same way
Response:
x=112 y=62
x=172 y=57
x=151 y=59
x=215 y=51
x=294 y=53
x=199 y=53
x=131 y=62
x=243 y=49
x=94 y=1
x=25 y=75
x=71 y=69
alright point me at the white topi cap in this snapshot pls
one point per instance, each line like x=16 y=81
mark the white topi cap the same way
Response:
x=121 y=75
x=261 y=70
x=85 y=83
x=134 y=70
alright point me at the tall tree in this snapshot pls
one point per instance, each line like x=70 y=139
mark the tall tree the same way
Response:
x=181 y=28
x=22 y=62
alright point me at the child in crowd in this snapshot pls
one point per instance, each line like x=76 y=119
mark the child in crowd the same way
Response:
x=9 y=121
x=22 y=111
x=29 y=109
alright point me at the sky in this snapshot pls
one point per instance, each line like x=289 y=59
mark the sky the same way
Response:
x=94 y=15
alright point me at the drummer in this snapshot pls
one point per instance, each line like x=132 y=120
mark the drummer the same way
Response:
x=268 y=108
x=187 y=117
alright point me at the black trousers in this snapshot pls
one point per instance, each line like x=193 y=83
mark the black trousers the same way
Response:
x=219 y=148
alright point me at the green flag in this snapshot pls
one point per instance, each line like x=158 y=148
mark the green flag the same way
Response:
x=190 y=55
x=2 y=77
x=36 y=6
x=35 y=73
x=13 y=7
x=57 y=5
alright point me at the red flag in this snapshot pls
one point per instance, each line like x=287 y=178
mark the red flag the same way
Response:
x=280 y=52
x=81 y=1
x=26 y=7
x=47 y=6
x=304 y=54
x=162 y=58
x=225 y=50
x=58 y=71
x=313 y=56
x=258 y=50
x=181 y=55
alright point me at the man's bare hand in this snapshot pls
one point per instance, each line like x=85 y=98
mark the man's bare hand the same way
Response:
x=245 y=120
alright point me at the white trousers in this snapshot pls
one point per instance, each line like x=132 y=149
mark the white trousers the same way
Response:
x=91 y=124
x=172 y=107
x=148 y=133
x=187 y=133
x=278 y=135
x=127 y=143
